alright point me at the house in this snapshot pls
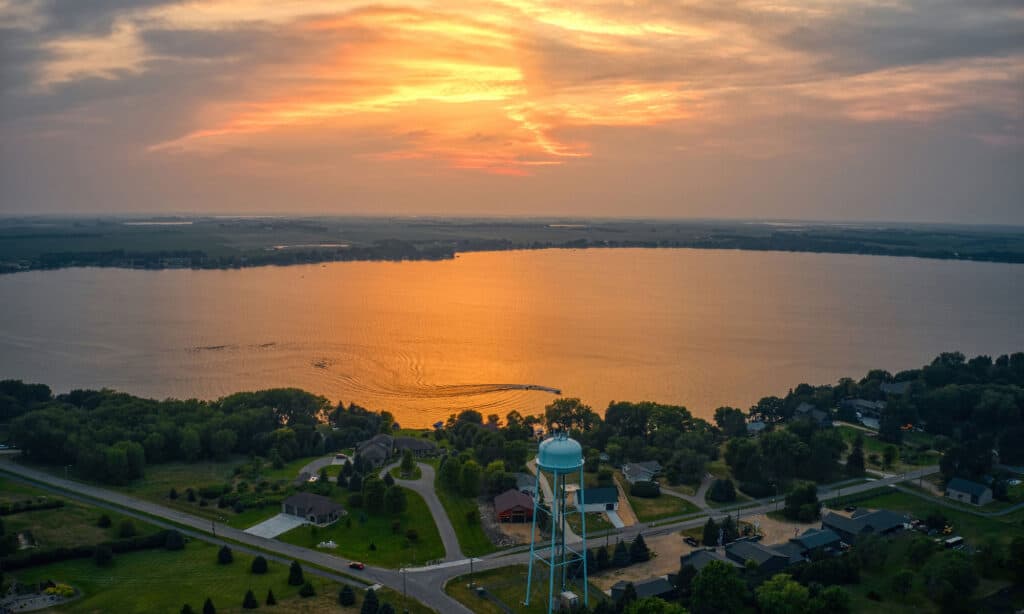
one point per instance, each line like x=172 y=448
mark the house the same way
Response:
x=601 y=499
x=420 y=447
x=862 y=522
x=895 y=388
x=654 y=587
x=768 y=560
x=526 y=484
x=700 y=558
x=791 y=550
x=644 y=471
x=864 y=408
x=376 y=450
x=439 y=425
x=756 y=427
x=816 y=540
x=967 y=491
x=806 y=411
x=513 y=506
x=314 y=508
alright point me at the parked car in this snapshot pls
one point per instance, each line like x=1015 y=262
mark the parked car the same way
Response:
x=850 y=508
x=356 y=565
x=690 y=541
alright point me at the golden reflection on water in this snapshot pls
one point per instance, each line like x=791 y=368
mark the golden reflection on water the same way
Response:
x=425 y=339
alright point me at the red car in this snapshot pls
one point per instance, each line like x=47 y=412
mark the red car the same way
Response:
x=356 y=565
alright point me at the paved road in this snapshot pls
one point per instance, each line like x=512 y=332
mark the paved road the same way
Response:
x=419 y=587
x=425 y=488
x=697 y=499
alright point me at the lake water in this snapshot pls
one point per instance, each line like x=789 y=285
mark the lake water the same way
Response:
x=425 y=339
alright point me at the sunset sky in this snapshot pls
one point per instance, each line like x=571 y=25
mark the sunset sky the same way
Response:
x=824 y=109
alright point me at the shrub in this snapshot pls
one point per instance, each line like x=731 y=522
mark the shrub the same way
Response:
x=370 y=603
x=103 y=522
x=396 y=527
x=346 y=596
x=259 y=565
x=386 y=608
x=187 y=609
x=208 y=607
x=126 y=528
x=103 y=555
x=645 y=489
x=295 y=577
x=355 y=500
x=373 y=546
x=190 y=495
x=224 y=555
x=621 y=556
x=173 y=494
x=307 y=590
x=250 y=603
x=638 y=551
x=757 y=490
x=270 y=597
x=174 y=540
x=412 y=535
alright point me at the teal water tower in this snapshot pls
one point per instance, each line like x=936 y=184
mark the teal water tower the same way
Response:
x=558 y=457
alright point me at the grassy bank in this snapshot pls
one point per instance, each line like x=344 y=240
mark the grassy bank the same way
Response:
x=506 y=588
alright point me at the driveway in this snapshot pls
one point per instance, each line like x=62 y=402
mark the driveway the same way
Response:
x=272 y=527
x=424 y=487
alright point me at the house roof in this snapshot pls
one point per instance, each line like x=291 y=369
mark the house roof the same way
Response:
x=602 y=495
x=414 y=443
x=967 y=486
x=756 y=426
x=791 y=550
x=895 y=387
x=315 y=504
x=700 y=558
x=878 y=521
x=752 y=551
x=510 y=499
x=653 y=587
x=806 y=410
x=651 y=466
x=817 y=538
x=526 y=480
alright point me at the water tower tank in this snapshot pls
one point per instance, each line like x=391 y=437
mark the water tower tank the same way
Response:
x=560 y=454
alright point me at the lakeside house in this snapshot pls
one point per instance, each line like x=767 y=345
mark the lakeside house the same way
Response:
x=513 y=506
x=601 y=499
x=863 y=522
x=895 y=388
x=313 y=508
x=864 y=408
x=653 y=587
x=378 y=449
x=967 y=491
x=806 y=411
x=644 y=471
x=756 y=427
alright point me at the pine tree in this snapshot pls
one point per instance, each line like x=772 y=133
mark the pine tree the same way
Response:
x=270 y=597
x=307 y=590
x=250 y=603
x=386 y=608
x=603 y=560
x=346 y=596
x=295 y=577
x=259 y=565
x=710 y=537
x=370 y=604
x=208 y=607
x=224 y=555
x=855 y=459
x=187 y=609
x=638 y=551
x=621 y=556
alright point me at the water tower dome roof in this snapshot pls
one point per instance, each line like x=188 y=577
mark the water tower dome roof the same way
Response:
x=560 y=453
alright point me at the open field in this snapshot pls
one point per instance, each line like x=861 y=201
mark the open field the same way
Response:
x=161 y=581
x=909 y=457
x=508 y=586
x=369 y=537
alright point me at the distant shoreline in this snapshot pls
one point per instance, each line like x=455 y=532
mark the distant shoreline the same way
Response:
x=231 y=244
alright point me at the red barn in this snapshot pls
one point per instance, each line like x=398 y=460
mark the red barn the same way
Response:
x=513 y=506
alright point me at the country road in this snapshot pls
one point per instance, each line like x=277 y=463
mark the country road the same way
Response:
x=425 y=584
x=425 y=488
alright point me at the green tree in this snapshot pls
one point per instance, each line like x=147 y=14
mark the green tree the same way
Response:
x=271 y=600
x=295 y=577
x=638 y=551
x=307 y=590
x=717 y=588
x=711 y=534
x=103 y=522
x=731 y=422
x=103 y=556
x=373 y=494
x=855 y=459
x=1015 y=559
x=469 y=479
x=782 y=595
x=346 y=596
x=208 y=607
x=222 y=443
x=902 y=582
x=722 y=491
x=250 y=603
x=126 y=528
x=386 y=608
x=187 y=609
x=654 y=605
x=395 y=501
x=621 y=556
x=191 y=446
x=889 y=455
x=831 y=600
x=602 y=558
x=224 y=555
x=949 y=579
x=408 y=464
x=570 y=415
x=370 y=603
x=174 y=540
x=802 y=503
x=259 y=565
x=450 y=473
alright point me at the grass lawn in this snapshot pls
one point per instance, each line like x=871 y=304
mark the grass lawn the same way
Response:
x=908 y=458
x=161 y=581
x=71 y=525
x=508 y=586
x=392 y=549
x=472 y=539
x=596 y=522
x=662 y=506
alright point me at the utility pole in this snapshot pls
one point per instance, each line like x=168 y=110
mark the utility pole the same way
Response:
x=405 y=593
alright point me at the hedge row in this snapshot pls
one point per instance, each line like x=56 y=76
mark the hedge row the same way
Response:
x=56 y=555
x=17 y=507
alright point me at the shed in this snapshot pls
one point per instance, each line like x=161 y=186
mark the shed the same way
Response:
x=967 y=491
